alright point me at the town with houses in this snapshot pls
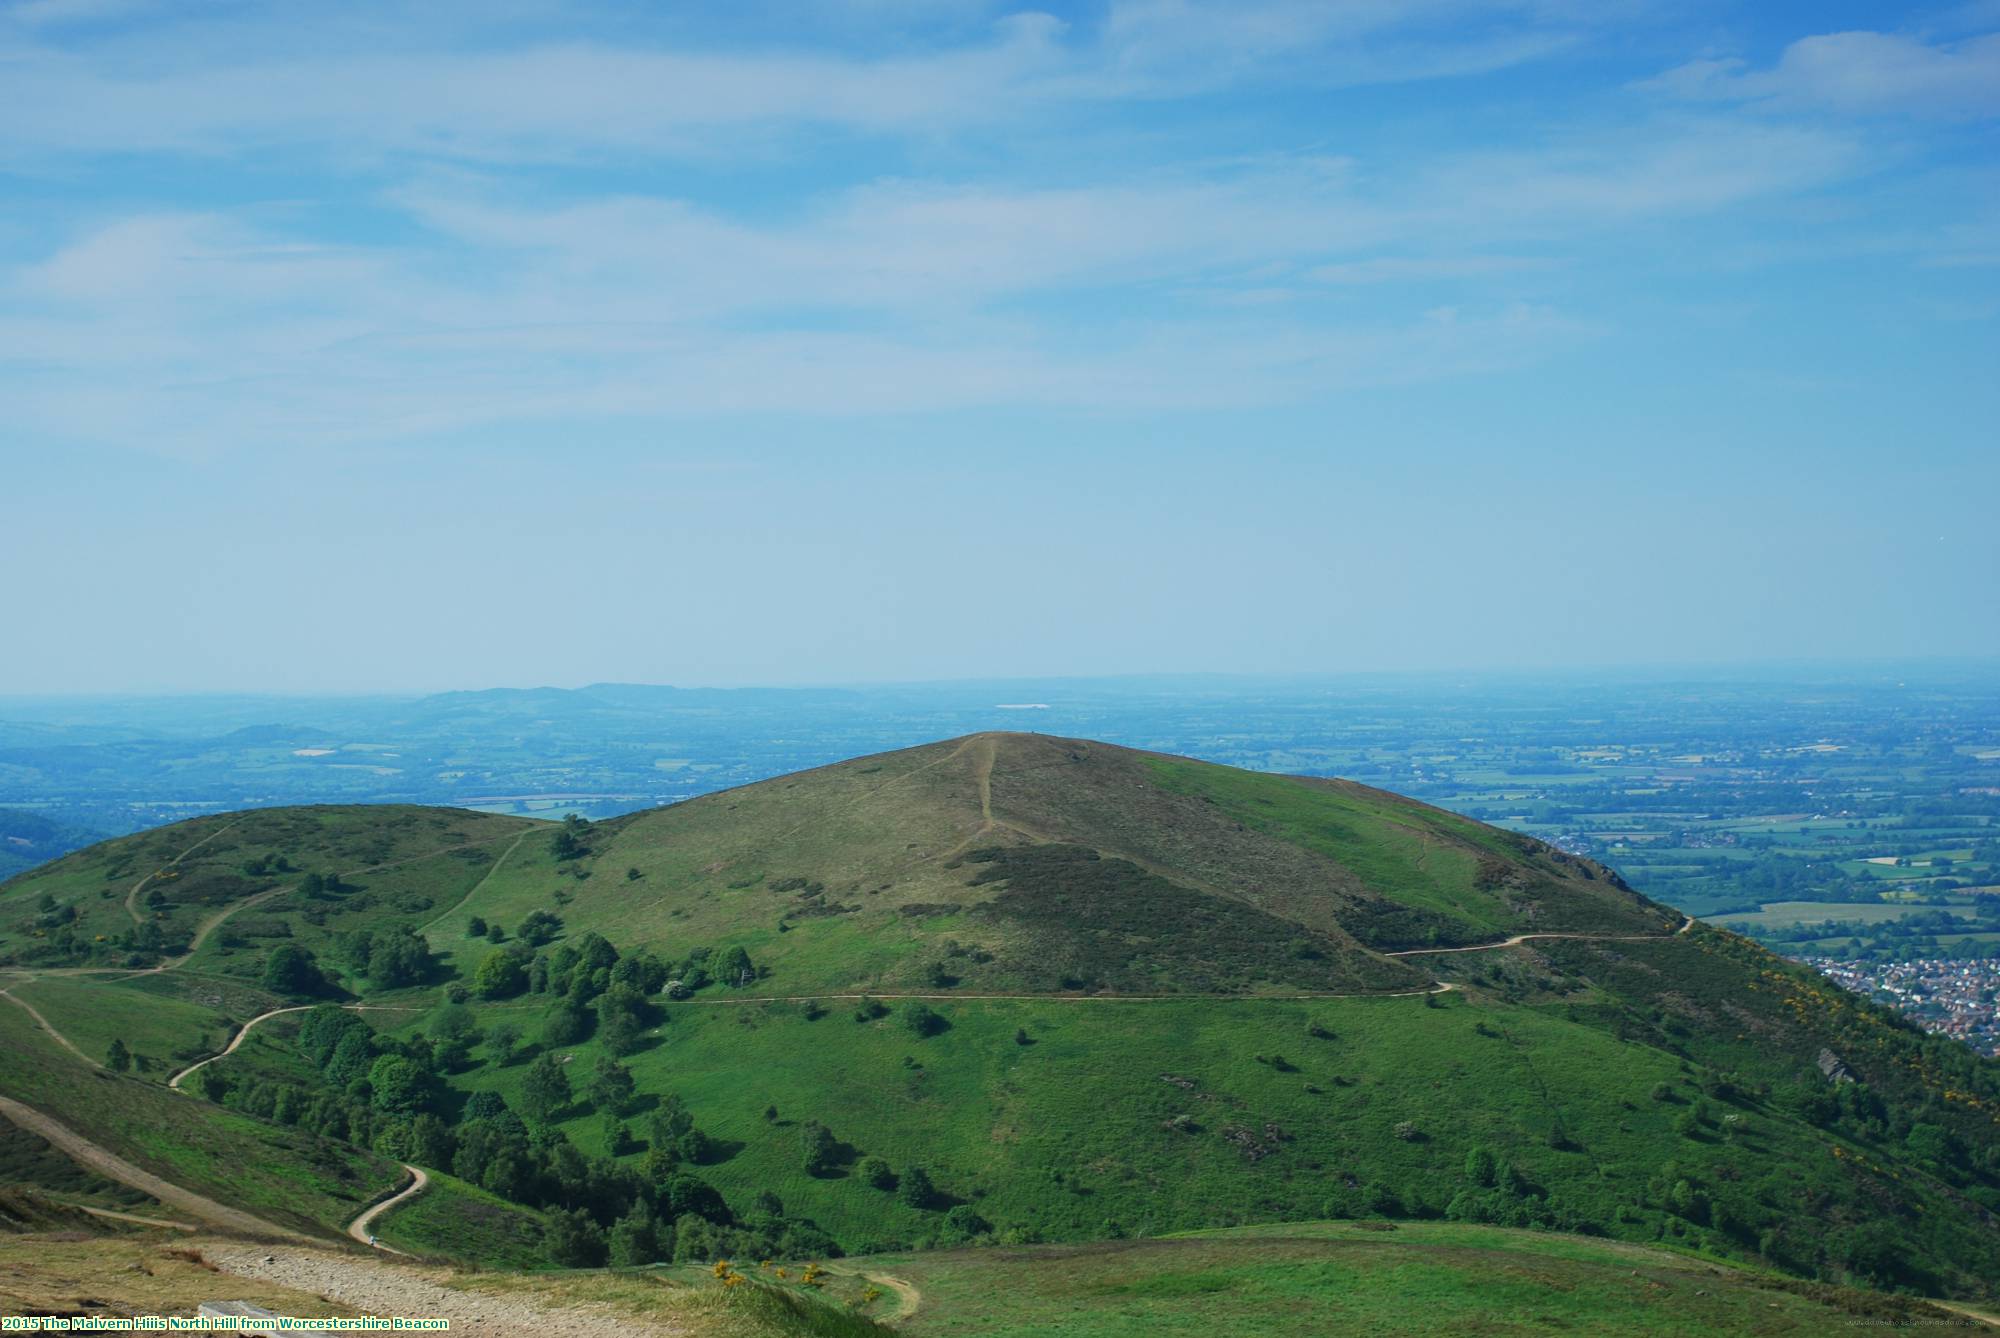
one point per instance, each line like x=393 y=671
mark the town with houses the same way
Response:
x=1955 y=998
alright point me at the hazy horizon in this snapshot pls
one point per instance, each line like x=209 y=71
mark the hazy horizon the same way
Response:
x=363 y=348
x=1855 y=670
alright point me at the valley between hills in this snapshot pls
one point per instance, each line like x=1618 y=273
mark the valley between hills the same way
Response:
x=986 y=1031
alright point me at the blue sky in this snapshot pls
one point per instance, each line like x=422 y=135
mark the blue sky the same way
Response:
x=364 y=346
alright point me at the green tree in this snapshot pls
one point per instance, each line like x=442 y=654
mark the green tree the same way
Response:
x=915 y=1188
x=923 y=1020
x=875 y=1173
x=610 y=1086
x=117 y=1058
x=568 y=843
x=398 y=958
x=400 y=1087
x=502 y=975
x=291 y=970
x=734 y=968
x=622 y=1015
x=545 y=1090
x=566 y=1023
x=454 y=1022
x=540 y=927
x=502 y=1039
x=573 y=1240
x=635 y=1238
x=820 y=1148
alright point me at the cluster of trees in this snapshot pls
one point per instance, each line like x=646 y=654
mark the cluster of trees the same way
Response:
x=392 y=958
x=390 y=1095
x=593 y=989
x=569 y=840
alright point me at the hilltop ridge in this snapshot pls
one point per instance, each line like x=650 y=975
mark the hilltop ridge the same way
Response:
x=1059 y=989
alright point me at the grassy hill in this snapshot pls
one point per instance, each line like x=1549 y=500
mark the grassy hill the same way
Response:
x=1308 y=1279
x=1007 y=989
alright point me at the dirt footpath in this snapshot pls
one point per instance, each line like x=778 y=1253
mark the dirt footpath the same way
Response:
x=114 y=1167
x=378 y=1287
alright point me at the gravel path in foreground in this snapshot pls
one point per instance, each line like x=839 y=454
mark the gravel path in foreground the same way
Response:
x=379 y=1287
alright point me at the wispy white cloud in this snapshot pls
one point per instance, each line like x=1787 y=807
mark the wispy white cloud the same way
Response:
x=328 y=81
x=484 y=288
x=1855 y=72
x=1422 y=269
x=190 y=331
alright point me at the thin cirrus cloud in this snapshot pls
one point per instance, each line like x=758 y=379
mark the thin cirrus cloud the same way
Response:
x=187 y=332
x=1856 y=72
x=552 y=97
x=433 y=257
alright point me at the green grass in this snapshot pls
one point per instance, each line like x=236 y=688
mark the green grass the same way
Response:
x=1071 y=1136
x=280 y=1174
x=1308 y=1280
x=1786 y=914
x=1580 y=1065
x=457 y=1221
x=161 y=1031
x=204 y=870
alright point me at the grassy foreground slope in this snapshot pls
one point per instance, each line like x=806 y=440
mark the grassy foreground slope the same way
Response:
x=1308 y=1279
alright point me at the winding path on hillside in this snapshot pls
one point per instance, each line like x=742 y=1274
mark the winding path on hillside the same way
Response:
x=111 y=1215
x=215 y=921
x=950 y=996
x=244 y=1031
x=1518 y=939
x=358 y=1228
x=132 y=897
x=1436 y=987
x=908 y=1297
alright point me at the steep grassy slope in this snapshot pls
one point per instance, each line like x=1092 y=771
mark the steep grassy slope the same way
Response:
x=284 y=1176
x=1156 y=996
